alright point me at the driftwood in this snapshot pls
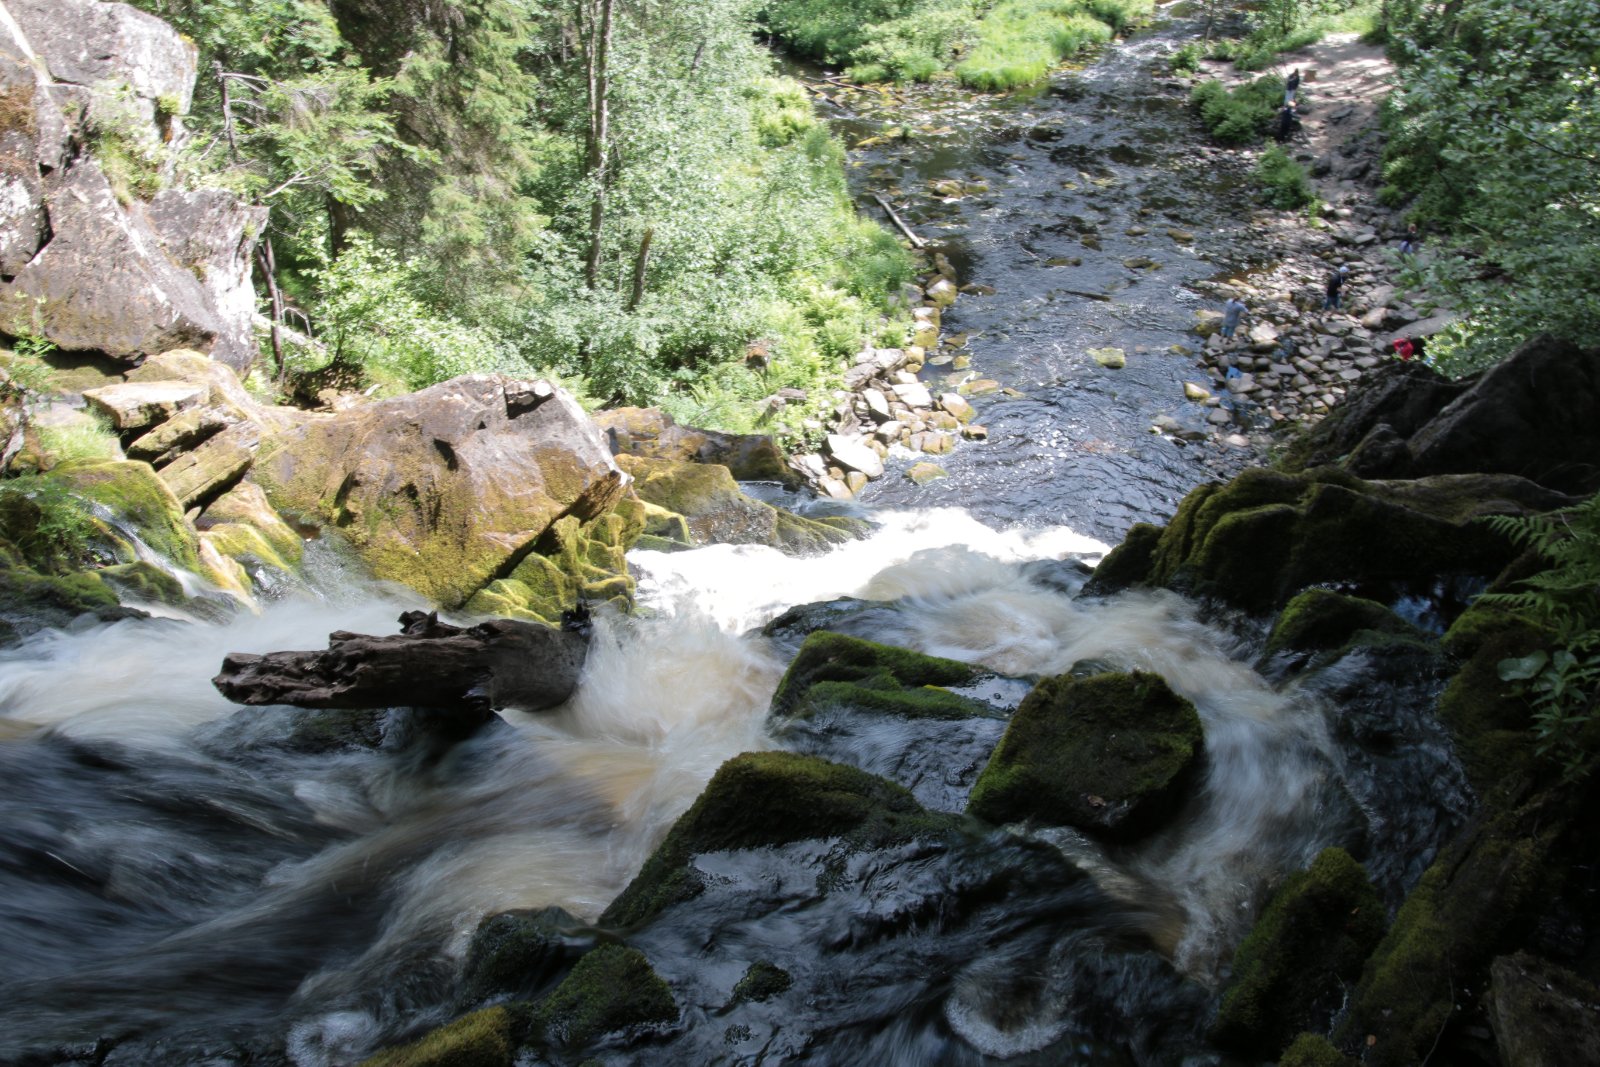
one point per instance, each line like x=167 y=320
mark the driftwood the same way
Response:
x=1085 y=295
x=503 y=663
x=916 y=242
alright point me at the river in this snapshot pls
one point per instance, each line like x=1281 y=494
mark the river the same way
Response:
x=184 y=883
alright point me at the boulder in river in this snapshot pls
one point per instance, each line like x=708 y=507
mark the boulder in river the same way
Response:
x=502 y=663
x=651 y=433
x=1110 y=754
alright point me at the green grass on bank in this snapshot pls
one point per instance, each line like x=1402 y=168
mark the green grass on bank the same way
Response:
x=990 y=45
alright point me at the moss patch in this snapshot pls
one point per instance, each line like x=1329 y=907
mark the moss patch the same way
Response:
x=31 y=602
x=515 y=952
x=137 y=495
x=835 y=671
x=772 y=798
x=1321 y=619
x=1290 y=972
x=482 y=1039
x=611 y=988
x=1110 y=754
x=143 y=581
x=1489 y=721
x=762 y=981
x=1313 y=1050
x=1128 y=564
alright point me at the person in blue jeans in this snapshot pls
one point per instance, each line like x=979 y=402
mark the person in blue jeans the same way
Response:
x=1335 y=284
x=1231 y=312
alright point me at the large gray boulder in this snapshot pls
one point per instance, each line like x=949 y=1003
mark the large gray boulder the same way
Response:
x=86 y=265
x=446 y=489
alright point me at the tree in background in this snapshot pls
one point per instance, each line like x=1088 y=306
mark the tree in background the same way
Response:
x=1495 y=139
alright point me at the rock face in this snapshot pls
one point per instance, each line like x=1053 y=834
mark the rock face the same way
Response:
x=447 y=489
x=1109 y=755
x=88 y=264
x=1543 y=1014
x=652 y=434
x=497 y=664
x=1529 y=416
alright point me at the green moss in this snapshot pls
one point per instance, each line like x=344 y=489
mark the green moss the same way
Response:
x=1290 y=972
x=800 y=536
x=136 y=495
x=1321 y=619
x=248 y=546
x=482 y=1039
x=762 y=981
x=30 y=602
x=1477 y=900
x=1128 y=564
x=665 y=525
x=1489 y=721
x=834 y=671
x=1109 y=754
x=772 y=798
x=514 y=952
x=1313 y=1050
x=144 y=581
x=611 y=988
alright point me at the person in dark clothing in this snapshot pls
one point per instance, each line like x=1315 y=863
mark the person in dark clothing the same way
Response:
x=1291 y=86
x=1412 y=239
x=1335 y=285
x=1285 y=124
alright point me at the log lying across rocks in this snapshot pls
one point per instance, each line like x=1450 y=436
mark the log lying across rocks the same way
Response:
x=503 y=663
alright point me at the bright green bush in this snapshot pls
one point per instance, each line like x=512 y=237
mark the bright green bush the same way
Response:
x=1239 y=116
x=1187 y=58
x=1284 y=183
x=1021 y=40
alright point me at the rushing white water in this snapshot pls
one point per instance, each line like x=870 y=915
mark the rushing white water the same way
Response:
x=563 y=807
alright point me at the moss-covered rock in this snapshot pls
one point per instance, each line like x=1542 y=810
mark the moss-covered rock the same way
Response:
x=761 y=981
x=1543 y=1015
x=1313 y=1050
x=574 y=561
x=1488 y=719
x=516 y=952
x=834 y=671
x=1265 y=536
x=1129 y=563
x=1320 y=620
x=143 y=581
x=1289 y=973
x=482 y=1039
x=30 y=602
x=1479 y=899
x=611 y=988
x=772 y=798
x=137 y=496
x=1110 y=754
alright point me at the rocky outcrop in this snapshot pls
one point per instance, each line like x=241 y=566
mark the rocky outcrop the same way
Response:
x=96 y=261
x=503 y=663
x=448 y=489
x=650 y=433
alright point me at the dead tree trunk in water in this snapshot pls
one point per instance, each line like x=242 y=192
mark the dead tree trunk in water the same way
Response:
x=595 y=18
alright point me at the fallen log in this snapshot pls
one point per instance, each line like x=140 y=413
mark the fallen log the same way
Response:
x=916 y=242
x=503 y=663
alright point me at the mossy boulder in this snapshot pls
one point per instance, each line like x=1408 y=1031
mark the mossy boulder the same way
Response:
x=833 y=671
x=762 y=981
x=1321 y=620
x=652 y=434
x=611 y=988
x=446 y=489
x=573 y=561
x=1290 y=972
x=1488 y=719
x=1543 y=1015
x=482 y=1039
x=1110 y=754
x=517 y=952
x=30 y=602
x=772 y=798
x=134 y=494
x=143 y=581
x=1313 y=1050
x=1265 y=536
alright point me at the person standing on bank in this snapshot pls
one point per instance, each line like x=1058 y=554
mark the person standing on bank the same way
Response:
x=1285 y=124
x=1291 y=86
x=1335 y=284
x=1231 y=313
x=1412 y=239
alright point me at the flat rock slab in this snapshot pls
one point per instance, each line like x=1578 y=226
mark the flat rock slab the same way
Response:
x=136 y=405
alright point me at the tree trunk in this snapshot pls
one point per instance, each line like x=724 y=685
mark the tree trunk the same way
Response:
x=268 y=265
x=597 y=49
x=639 y=266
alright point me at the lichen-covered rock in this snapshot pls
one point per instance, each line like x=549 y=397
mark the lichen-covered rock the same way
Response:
x=651 y=433
x=1543 y=1014
x=611 y=988
x=772 y=798
x=833 y=671
x=482 y=1039
x=89 y=43
x=213 y=233
x=1265 y=536
x=446 y=489
x=138 y=405
x=214 y=466
x=242 y=525
x=572 y=563
x=1290 y=972
x=182 y=431
x=1110 y=754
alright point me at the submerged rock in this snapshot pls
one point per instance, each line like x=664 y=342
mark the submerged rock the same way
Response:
x=1110 y=754
x=612 y=988
x=482 y=1039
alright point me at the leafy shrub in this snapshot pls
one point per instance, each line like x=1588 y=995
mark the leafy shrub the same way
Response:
x=1564 y=682
x=1239 y=116
x=1187 y=58
x=1283 y=182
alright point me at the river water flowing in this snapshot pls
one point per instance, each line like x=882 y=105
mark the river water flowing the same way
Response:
x=186 y=883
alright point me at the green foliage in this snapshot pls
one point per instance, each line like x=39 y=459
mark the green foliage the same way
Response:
x=47 y=524
x=1187 y=59
x=1287 y=25
x=1021 y=40
x=92 y=439
x=125 y=145
x=1237 y=116
x=1284 y=183
x=1494 y=137
x=1563 y=683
